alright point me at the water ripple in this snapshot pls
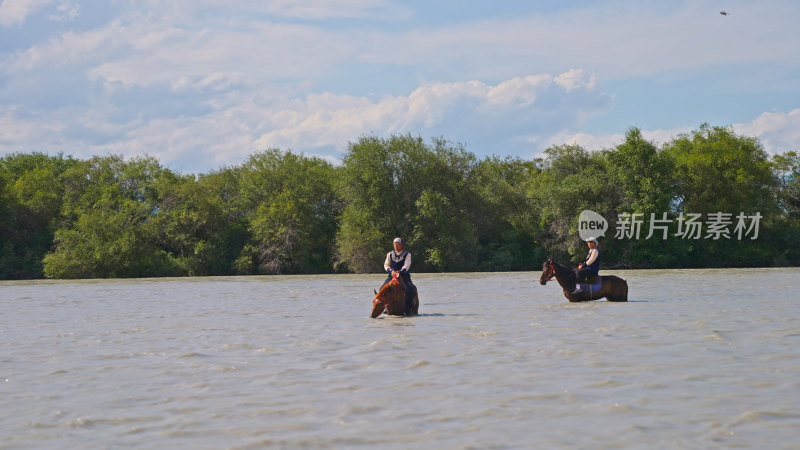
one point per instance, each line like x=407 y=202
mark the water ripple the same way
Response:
x=492 y=361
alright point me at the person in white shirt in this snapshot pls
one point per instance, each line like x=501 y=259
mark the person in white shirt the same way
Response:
x=590 y=266
x=398 y=261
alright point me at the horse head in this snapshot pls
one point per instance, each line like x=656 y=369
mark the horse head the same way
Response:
x=390 y=298
x=548 y=271
x=378 y=305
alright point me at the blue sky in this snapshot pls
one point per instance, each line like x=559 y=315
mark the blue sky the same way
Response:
x=202 y=84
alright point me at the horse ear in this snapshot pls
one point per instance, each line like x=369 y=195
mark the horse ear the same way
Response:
x=376 y=292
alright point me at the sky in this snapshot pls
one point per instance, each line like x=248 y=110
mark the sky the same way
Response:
x=203 y=84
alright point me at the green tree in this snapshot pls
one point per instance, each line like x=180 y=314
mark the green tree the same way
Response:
x=369 y=183
x=401 y=186
x=220 y=190
x=642 y=173
x=572 y=180
x=787 y=171
x=190 y=225
x=785 y=232
x=506 y=219
x=292 y=210
x=717 y=171
x=443 y=214
x=644 y=178
x=108 y=208
x=30 y=208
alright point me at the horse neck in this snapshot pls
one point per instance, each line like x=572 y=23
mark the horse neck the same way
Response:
x=390 y=287
x=564 y=276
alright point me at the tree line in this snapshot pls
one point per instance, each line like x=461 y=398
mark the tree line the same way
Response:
x=285 y=213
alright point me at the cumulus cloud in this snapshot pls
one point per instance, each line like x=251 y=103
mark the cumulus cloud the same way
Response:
x=778 y=131
x=15 y=130
x=14 y=12
x=199 y=83
x=595 y=142
x=463 y=111
x=234 y=125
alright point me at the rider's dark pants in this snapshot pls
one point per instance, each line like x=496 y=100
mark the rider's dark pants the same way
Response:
x=585 y=274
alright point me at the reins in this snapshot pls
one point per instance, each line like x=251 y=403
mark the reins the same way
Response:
x=552 y=272
x=555 y=273
x=381 y=297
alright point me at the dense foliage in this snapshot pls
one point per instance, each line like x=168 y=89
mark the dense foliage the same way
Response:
x=280 y=212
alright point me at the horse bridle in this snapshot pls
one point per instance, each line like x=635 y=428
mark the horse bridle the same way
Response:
x=552 y=270
x=382 y=298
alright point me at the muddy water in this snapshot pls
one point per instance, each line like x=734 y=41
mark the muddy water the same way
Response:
x=696 y=359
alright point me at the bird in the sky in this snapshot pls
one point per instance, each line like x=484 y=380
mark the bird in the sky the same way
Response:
x=724 y=13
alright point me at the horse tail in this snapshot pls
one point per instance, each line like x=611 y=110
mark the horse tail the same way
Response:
x=618 y=290
x=625 y=294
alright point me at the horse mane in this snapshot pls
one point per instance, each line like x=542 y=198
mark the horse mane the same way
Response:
x=391 y=298
x=391 y=286
x=563 y=270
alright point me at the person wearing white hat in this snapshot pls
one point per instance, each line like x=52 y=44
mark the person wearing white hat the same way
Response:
x=590 y=266
x=398 y=261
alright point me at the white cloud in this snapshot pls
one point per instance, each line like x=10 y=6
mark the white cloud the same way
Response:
x=236 y=124
x=462 y=110
x=15 y=131
x=575 y=79
x=158 y=55
x=779 y=132
x=14 y=12
x=158 y=41
x=200 y=82
x=518 y=91
x=595 y=142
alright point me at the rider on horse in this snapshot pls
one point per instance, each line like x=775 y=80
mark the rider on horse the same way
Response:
x=590 y=266
x=399 y=261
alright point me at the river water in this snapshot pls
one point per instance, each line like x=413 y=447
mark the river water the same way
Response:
x=696 y=359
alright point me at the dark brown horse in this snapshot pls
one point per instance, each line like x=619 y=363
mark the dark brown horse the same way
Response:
x=391 y=299
x=614 y=288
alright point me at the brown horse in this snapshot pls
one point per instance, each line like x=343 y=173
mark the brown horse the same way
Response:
x=391 y=299
x=614 y=288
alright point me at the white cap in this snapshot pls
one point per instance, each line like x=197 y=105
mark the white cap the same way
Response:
x=397 y=240
x=591 y=239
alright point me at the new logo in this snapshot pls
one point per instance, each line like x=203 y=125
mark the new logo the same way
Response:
x=591 y=224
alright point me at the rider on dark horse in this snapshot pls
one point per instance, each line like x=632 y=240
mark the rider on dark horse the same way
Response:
x=398 y=261
x=590 y=267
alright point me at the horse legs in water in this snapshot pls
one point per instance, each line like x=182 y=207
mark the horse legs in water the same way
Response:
x=614 y=288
